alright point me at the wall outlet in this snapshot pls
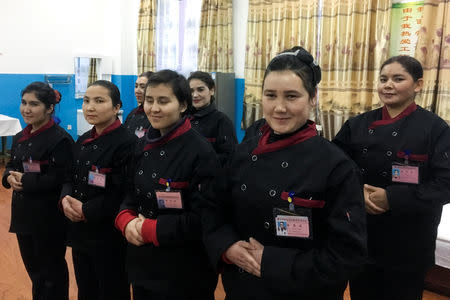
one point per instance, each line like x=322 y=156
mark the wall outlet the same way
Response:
x=69 y=127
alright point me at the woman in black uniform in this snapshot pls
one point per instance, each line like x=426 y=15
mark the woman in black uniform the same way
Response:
x=403 y=153
x=288 y=219
x=136 y=121
x=92 y=198
x=206 y=119
x=40 y=155
x=172 y=172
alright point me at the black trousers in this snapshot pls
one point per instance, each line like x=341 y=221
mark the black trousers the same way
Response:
x=44 y=258
x=376 y=283
x=100 y=273
x=169 y=290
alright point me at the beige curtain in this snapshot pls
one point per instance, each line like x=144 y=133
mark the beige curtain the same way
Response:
x=354 y=43
x=215 y=45
x=433 y=51
x=272 y=27
x=146 y=36
x=92 y=76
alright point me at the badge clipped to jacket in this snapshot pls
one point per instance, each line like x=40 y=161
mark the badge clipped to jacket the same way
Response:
x=96 y=178
x=169 y=198
x=405 y=173
x=140 y=132
x=31 y=166
x=293 y=223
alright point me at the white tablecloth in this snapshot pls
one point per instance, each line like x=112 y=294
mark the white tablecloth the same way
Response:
x=443 y=239
x=9 y=126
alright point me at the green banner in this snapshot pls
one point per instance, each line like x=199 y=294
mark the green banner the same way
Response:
x=406 y=20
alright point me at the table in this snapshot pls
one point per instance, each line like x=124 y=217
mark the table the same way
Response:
x=8 y=126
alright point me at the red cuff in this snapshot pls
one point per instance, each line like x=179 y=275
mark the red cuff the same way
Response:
x=123 y=218
x=148 y=231
x=226 y=260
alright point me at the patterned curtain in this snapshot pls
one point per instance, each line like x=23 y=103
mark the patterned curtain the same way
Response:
x=354 y=43
x=146 y=36
x=433 y=51
x=92 y=76
x=215 y=44
x=272 y=27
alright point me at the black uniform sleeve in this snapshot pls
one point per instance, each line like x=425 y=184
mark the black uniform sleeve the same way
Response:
x=343 y=138
x=218 y=233
x=407 y=199
x=106 y=205
x=60 y=162
x=10 y=166
x=181 y=228
x=128 y=118
x=254 y=130
x=342 y=252
x=226 y=139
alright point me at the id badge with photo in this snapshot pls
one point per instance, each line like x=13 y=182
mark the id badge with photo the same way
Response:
x=405 y=173
x=169 y=199
x=293 y=225
x=97 y=179
x=31 y=167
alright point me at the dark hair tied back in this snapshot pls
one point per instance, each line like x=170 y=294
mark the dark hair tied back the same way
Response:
x=113 y=91
x=301 y=62
x=43 y=93
x=306 y=58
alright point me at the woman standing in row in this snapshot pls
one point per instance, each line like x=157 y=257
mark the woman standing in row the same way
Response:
x=288 y=221
x=92 y=198
x=172 y=172
x=403 y=153
x=206 y=119
x=40 y=155
x=136 y=121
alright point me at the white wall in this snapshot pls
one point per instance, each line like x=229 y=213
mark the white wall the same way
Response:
x=240 y=16
x=43 y=36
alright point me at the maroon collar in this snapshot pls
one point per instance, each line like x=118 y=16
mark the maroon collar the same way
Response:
x=140 y=109
x=107 y=130
x=26 y=133
x=264 y=146
x=386 y=118
x=180 y=130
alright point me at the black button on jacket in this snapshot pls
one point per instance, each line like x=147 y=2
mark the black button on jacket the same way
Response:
x=403 y=237
x=217 y=128
x=35 y=209
x=256 y=182
x=109 y=154
x=137 y=120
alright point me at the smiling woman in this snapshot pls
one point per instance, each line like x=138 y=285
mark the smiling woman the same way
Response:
x=40 y=156
x=402 y=152
x=281 y=195
x=92 y=194
x=171 y=173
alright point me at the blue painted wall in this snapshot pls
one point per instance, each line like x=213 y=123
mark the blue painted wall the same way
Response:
x=239 y=102
x=11 y=86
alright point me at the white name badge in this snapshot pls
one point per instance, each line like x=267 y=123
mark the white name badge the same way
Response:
x=170 y=199
x=405 y=174
x=31 y=167
x=139 y=132
x=97 y=179
x=292 y=226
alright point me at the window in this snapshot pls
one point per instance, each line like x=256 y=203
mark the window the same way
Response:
x=177 y=32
